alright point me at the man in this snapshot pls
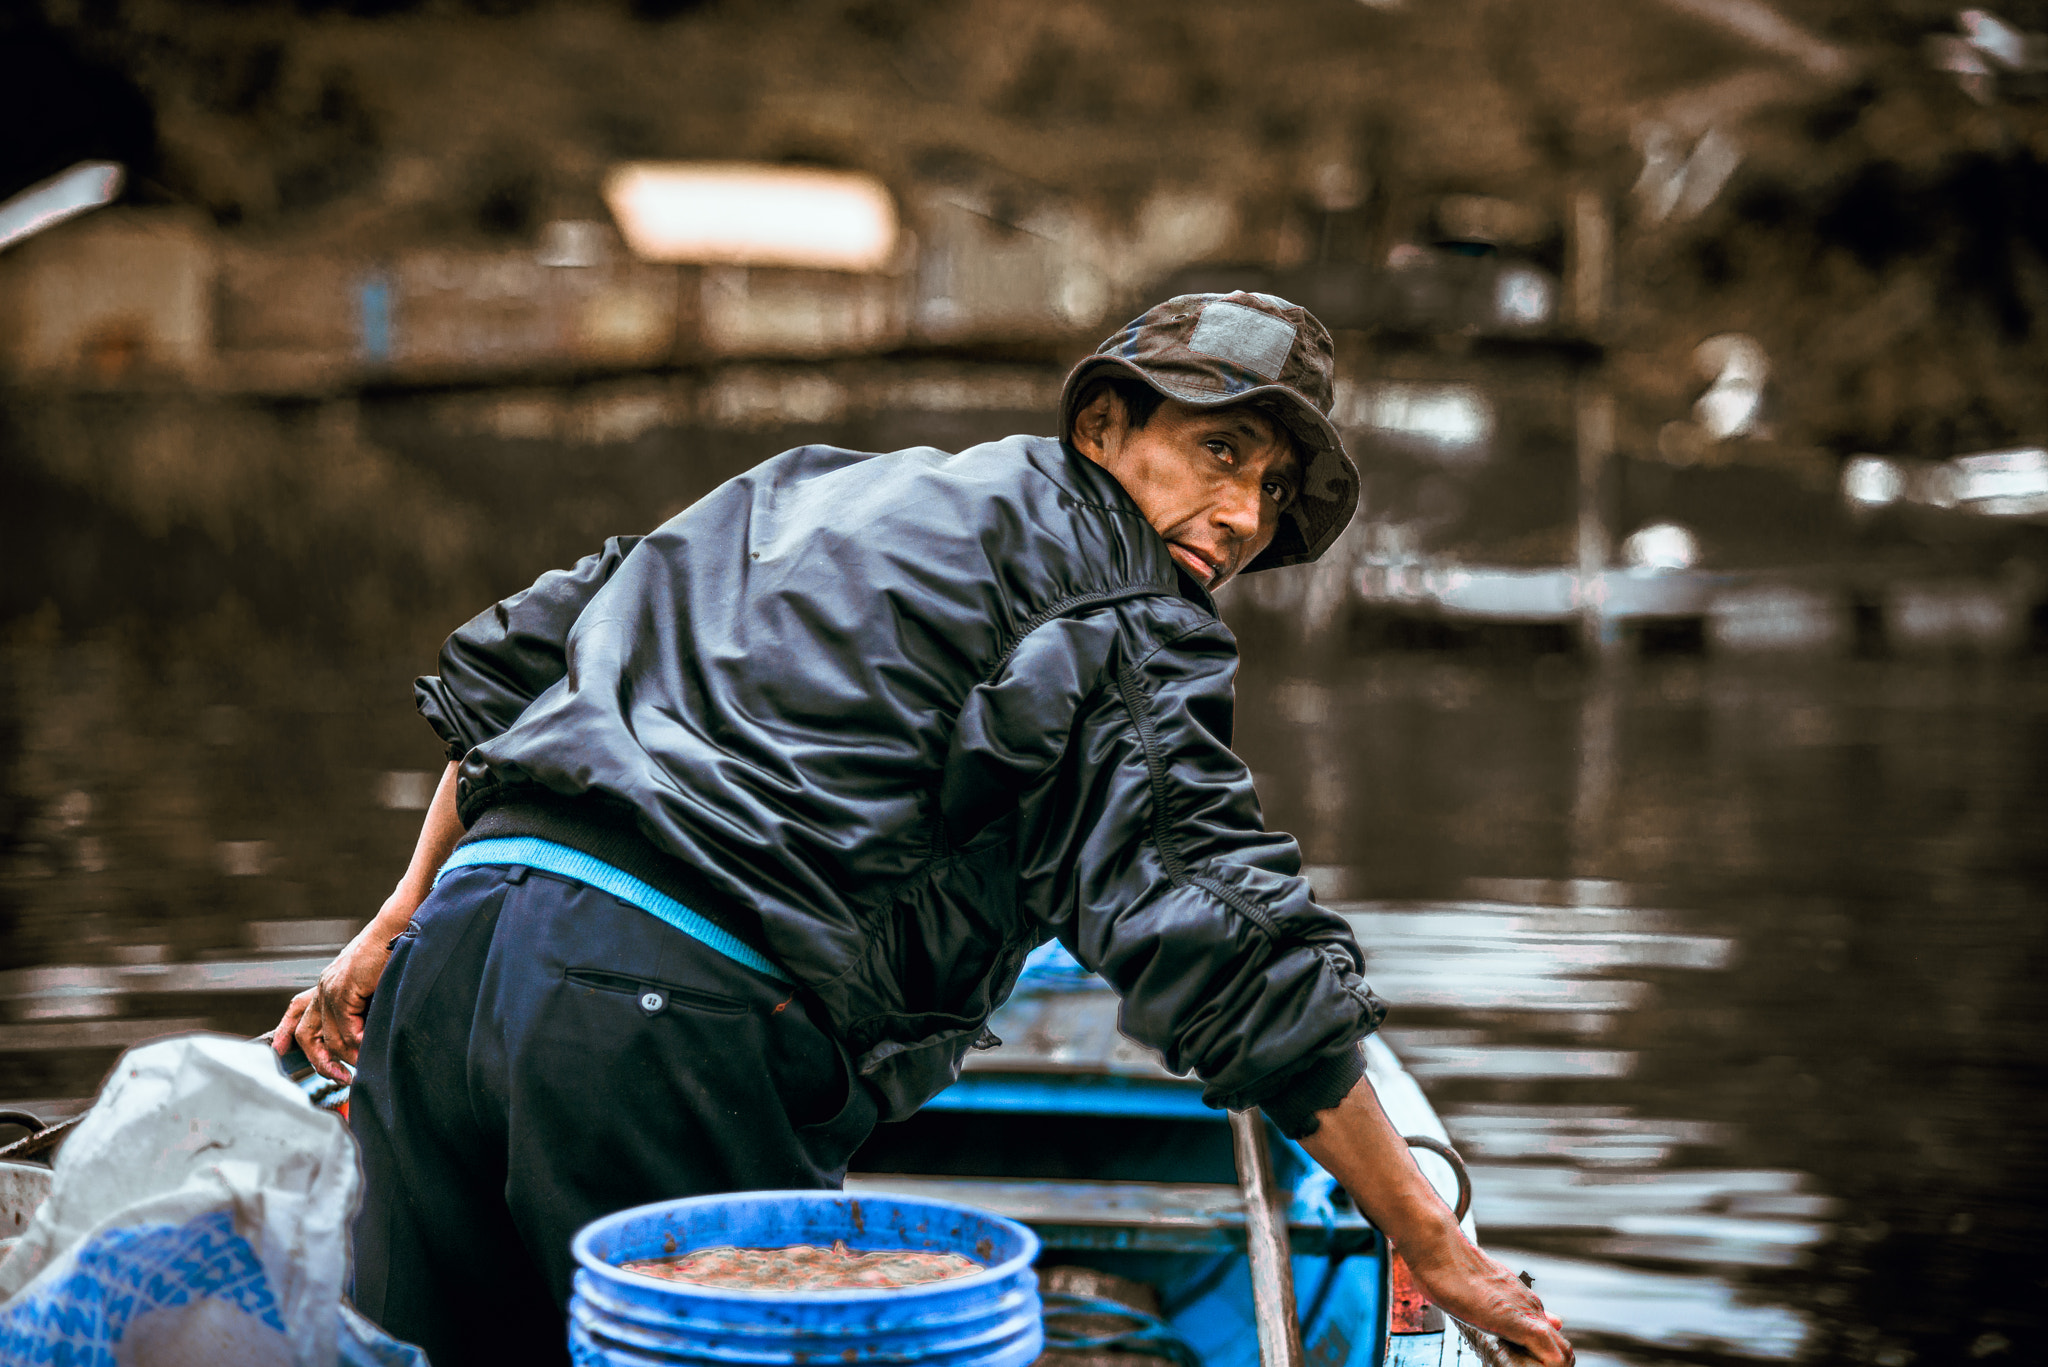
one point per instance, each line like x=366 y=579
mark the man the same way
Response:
x=750 y=823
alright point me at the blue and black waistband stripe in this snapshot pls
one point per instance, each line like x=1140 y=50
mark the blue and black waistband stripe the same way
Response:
x=545 y=855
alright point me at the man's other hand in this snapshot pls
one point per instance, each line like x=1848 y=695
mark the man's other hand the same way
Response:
x=326 y=1020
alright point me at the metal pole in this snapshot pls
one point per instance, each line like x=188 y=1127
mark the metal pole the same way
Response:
x=1267 y=1243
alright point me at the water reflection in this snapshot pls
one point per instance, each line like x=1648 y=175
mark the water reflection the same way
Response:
x=1732 y=1002
x=1614 y=1185
x=1661 y=1310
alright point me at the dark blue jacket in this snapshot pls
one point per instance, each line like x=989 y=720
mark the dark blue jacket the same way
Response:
x=921 y=712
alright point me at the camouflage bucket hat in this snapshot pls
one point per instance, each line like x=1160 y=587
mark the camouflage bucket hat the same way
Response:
x=1217 y=349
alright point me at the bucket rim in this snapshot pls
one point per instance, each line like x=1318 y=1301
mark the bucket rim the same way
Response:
x=993 y=1274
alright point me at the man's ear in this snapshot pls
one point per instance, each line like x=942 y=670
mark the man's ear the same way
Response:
x=1098 y=422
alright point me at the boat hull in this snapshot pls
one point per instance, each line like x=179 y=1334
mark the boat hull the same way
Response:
x=1119 y=1167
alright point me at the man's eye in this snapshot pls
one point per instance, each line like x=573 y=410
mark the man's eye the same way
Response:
x=1222 y=451
x=1278 y=492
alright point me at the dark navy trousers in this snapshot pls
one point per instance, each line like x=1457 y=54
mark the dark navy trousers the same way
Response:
x=539 y=1054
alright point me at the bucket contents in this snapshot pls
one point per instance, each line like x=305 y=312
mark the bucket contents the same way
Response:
x=805 y=1267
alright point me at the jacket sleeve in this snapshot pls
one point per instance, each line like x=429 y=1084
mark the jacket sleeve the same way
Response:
x=511 y=653
x=1145 y=851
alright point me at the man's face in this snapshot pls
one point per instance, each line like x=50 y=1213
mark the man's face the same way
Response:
x=1211 y=481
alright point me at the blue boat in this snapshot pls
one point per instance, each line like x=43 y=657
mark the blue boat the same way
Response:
x=1150 y=1205
x=1143 y=1198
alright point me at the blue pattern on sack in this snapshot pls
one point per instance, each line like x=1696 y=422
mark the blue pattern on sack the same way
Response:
x=124 y=1273
x=363 y=1344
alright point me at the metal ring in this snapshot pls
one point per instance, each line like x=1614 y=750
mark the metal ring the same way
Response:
x=23 y=1119
x=1449 y=1155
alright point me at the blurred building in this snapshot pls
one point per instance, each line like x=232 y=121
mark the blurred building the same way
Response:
x=1761 y=242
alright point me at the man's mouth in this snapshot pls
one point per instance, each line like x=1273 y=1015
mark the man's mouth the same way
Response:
x=1205 y=570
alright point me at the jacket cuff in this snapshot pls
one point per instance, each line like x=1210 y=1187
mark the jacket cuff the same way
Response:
x=427 y=697
x=1317 y=1087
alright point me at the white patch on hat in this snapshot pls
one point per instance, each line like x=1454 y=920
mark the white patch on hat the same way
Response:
x=1255 y=341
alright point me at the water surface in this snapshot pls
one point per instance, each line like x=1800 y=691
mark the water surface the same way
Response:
x=1726 y=974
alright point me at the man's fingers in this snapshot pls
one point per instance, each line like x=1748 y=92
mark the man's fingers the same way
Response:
x=313 y=1040
x=1542 y=1339
x=1517 y=1351
x=341 y=1027
x=324 y=1062
x=1523 y=1355
x=281 y=1037
x=344 y=1028
x=1548 y=1346
x=1527 y=1332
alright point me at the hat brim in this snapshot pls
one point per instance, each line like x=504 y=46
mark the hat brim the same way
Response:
x=1329 y=486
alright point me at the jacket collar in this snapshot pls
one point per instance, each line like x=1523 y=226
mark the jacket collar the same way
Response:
x=1089 y=484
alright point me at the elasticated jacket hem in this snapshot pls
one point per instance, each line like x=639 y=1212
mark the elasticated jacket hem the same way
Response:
x=1315 y=1088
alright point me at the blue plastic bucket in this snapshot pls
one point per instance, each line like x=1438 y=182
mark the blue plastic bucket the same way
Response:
x=625 y=1319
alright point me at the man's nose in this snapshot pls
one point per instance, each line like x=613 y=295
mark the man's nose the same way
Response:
x=1237 y=511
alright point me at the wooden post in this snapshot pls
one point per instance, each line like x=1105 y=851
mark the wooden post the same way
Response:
x=1589 y=268
x=1588 y=248
x=1267 y=1242
x=1599 y=636
x=1590 y=253
x=1595 y=422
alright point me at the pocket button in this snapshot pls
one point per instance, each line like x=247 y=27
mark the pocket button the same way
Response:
x=652 y=1002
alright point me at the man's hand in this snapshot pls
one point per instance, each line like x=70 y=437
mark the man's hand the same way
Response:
x=1474 y=1288
x=326 y=1020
